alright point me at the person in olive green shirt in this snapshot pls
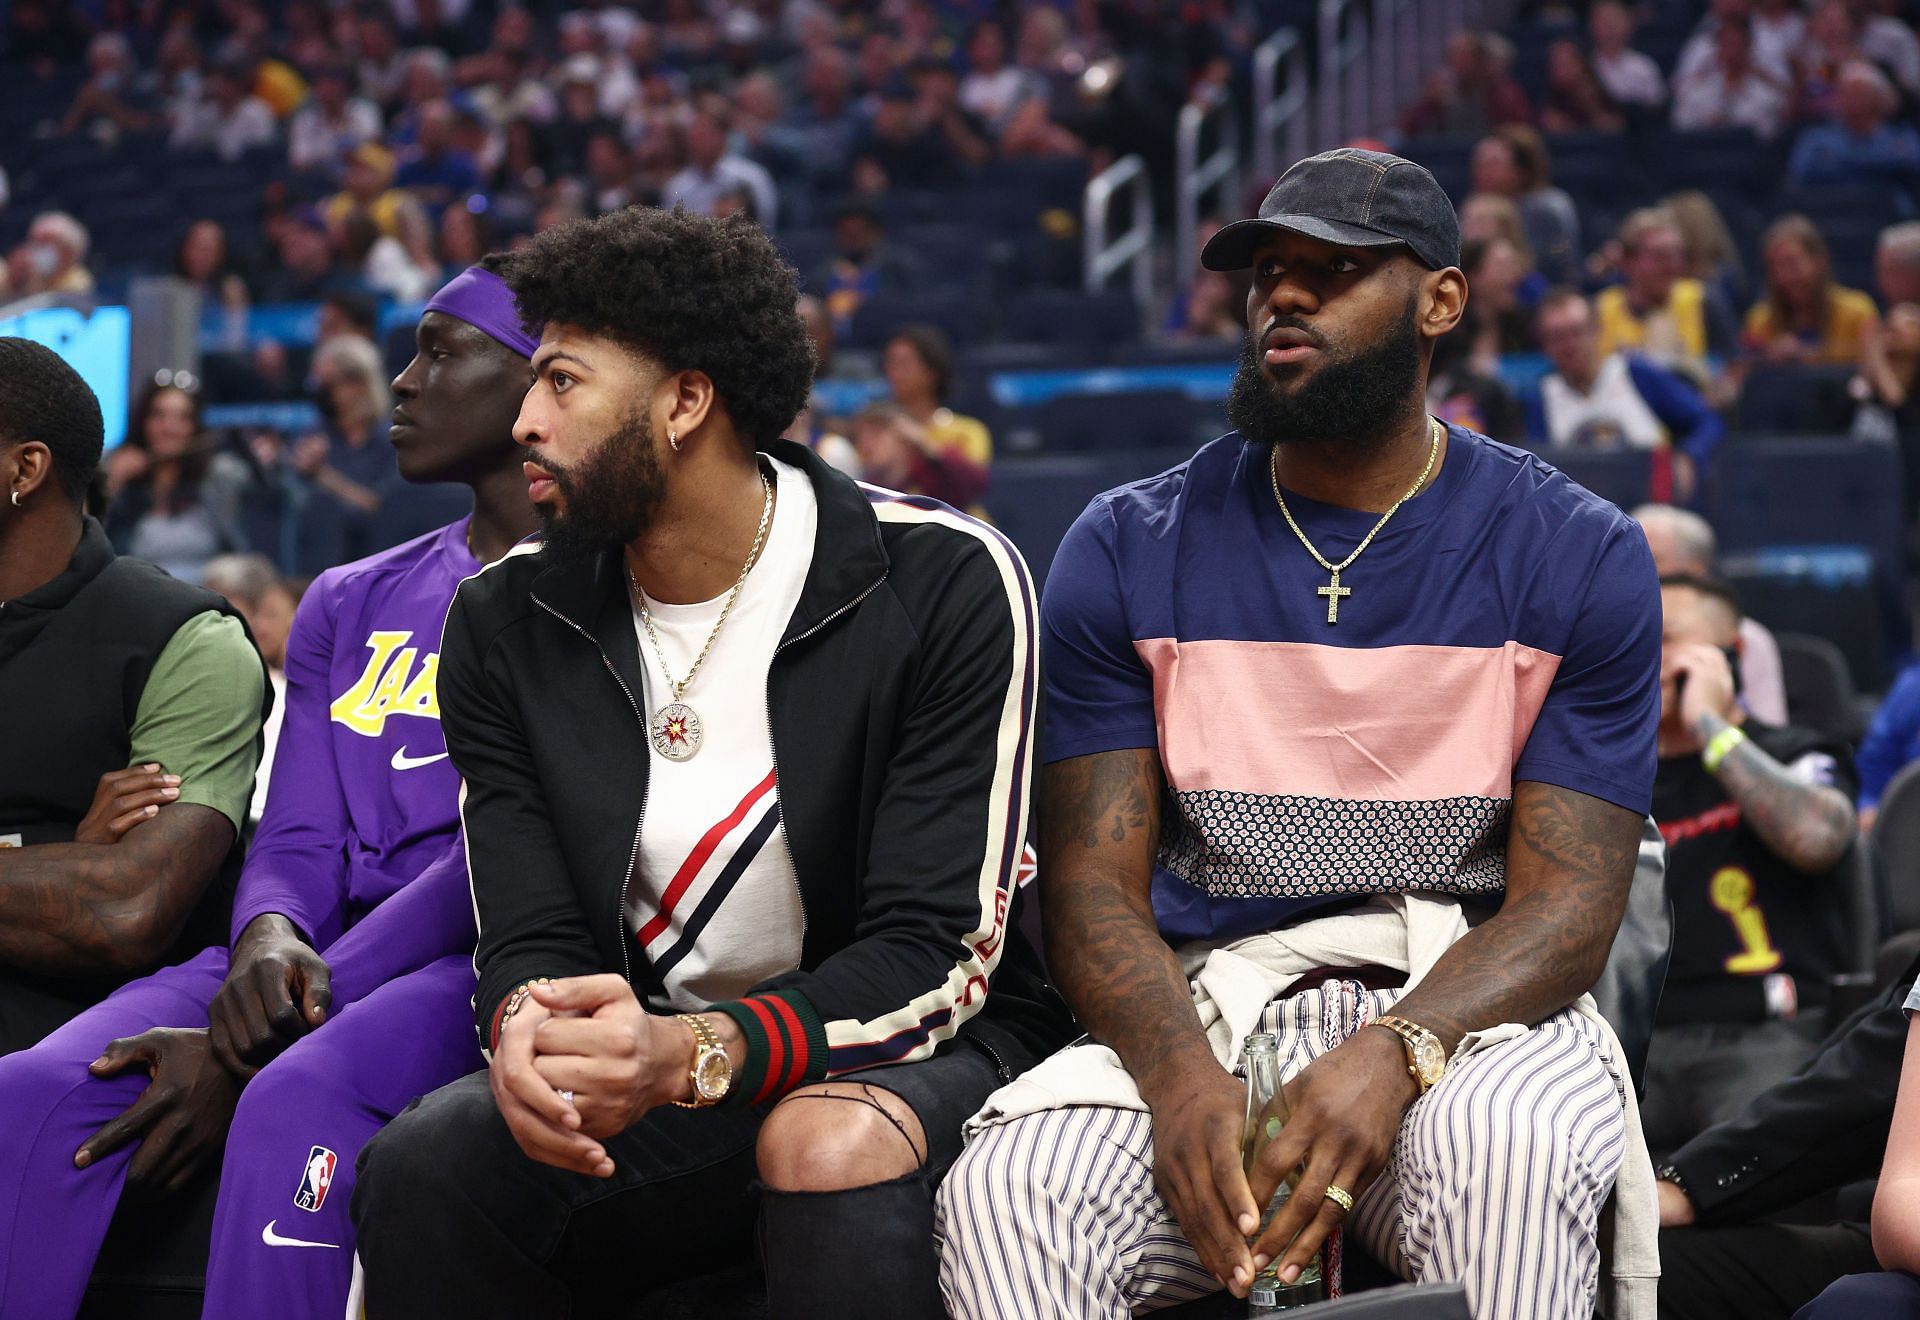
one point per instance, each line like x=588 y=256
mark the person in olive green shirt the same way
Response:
x=129 y=735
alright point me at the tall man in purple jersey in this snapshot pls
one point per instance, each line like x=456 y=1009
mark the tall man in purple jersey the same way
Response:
x=347 y=991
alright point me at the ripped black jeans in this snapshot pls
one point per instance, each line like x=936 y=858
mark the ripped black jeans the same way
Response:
x=454 y=1220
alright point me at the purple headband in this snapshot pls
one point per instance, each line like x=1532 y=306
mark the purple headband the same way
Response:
x=483 y=301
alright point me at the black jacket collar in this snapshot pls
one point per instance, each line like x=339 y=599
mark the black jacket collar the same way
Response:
x=849 y=560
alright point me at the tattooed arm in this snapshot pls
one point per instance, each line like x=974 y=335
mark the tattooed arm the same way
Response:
x=1570 y=860
x=1807 y=826
x=1099 y=827
x=85 y=908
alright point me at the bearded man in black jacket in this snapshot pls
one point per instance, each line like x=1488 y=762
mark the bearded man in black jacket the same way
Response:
x=746 y=751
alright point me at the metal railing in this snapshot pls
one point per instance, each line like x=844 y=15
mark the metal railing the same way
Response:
x=1194 y=178
x=1373 y=57
x=1281 y=104
x=1131 y=250
x=1386 y=74
x=1342 y=110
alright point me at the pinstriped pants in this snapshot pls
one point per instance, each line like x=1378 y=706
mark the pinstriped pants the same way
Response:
x=1497 y=1179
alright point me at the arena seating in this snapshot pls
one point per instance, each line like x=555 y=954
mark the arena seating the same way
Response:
x=1083 y=393
x=1896 y=840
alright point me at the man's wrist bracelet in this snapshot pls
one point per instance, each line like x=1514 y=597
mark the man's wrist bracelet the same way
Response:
x=1669 y=1173
x=519 y=997
x=1720 y=745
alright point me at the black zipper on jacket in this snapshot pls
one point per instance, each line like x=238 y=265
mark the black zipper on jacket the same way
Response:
x=633 y=858
x=999 y=1064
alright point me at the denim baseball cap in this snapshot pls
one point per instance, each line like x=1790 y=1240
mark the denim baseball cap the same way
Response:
x=1351 y=196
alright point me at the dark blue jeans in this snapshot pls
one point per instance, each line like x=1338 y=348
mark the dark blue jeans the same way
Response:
x=453 y=1219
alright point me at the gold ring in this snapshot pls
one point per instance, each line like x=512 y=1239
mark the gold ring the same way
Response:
x=1340 y=1197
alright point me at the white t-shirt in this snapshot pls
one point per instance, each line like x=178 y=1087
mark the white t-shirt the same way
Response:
x=1631 y=78
x=1610 y=415
x=715 y=902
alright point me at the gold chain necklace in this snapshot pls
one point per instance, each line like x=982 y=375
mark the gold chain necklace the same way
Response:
x=675 y=728
x=1333 y=591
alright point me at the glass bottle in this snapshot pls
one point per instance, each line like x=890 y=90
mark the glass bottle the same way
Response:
x=1266 y=1116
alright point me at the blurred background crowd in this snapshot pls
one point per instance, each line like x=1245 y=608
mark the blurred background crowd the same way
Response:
x=1691 y=230
x=1691 y=236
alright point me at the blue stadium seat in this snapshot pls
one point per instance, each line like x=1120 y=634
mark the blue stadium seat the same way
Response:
x=1831 y=594
x=1828 y=560
x=1795 y=400
x=1624 y=477
x=397 y=348
x=913 y=206
x=1729 y=158
x=1598 y=165
x=1045 y=180
x=1036 y=497
x=1092 y=322
x=1136 y=419
x=1865 y=206
x=1585 y=145
x=198 y=183
x=1177 y=352
x=1842 y=492
x=806 y=250
x=950 y=254
x=972 y=365
x=957 y=313
x=1449 y=158
x=80 y=188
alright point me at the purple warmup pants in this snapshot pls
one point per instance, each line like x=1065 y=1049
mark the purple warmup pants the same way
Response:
x=282 y=1238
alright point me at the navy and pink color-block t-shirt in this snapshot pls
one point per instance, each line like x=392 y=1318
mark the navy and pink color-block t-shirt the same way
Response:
x=1504 y=626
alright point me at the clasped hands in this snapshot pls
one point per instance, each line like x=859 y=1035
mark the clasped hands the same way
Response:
x=590 y=1036
x=1346 y=1109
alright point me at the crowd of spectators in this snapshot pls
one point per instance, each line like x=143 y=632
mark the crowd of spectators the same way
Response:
x=383 y=147
x=396 y=145
x=1629 y=282
x=392 y=145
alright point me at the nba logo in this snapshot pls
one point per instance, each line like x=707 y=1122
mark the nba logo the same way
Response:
x=315 y=1181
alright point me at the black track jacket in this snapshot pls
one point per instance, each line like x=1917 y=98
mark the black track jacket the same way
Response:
x=904 y=698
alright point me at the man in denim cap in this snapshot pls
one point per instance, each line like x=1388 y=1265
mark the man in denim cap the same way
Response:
x=1349 y=737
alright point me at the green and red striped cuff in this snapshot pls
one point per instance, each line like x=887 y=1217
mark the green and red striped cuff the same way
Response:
x=786 y=1044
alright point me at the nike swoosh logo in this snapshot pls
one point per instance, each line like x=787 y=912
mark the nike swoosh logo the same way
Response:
x=273 y=1239
x=401 y=761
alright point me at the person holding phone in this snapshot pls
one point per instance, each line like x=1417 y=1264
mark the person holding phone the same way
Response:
x=1758 y=821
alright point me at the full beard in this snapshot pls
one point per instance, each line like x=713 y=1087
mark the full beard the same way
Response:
x=1356 y=401
x=609 y=498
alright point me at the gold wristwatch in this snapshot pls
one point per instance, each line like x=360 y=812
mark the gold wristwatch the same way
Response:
x=712 y=1071
x=1426 y=1057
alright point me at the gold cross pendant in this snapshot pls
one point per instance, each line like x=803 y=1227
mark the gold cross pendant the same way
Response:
x=1333 y=591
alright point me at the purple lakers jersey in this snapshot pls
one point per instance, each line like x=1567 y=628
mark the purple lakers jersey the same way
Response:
x=362 y=797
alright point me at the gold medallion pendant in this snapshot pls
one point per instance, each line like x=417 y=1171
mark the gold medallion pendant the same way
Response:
x=675 y=730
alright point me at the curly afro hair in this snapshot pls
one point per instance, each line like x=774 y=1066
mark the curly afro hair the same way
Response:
x=692 y=292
